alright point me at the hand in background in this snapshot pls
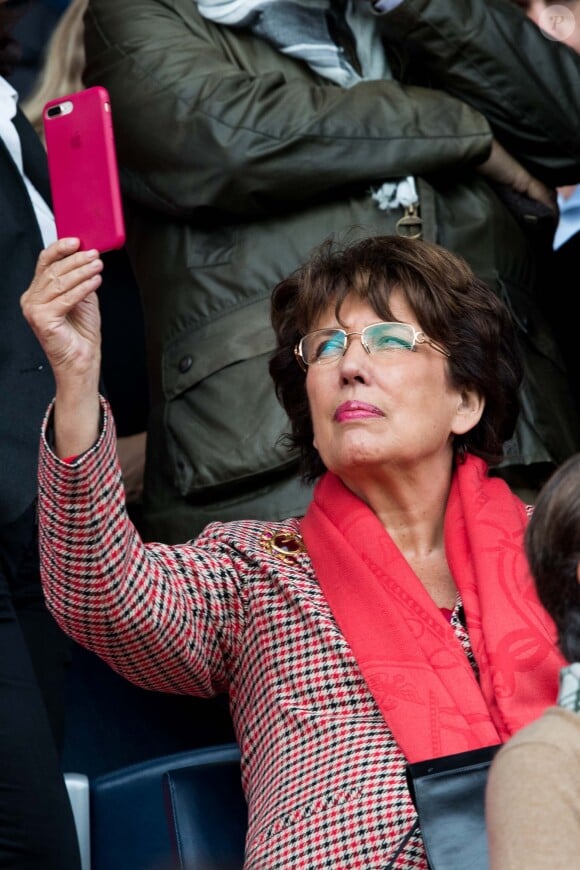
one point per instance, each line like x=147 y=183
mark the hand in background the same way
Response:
x=503 y=169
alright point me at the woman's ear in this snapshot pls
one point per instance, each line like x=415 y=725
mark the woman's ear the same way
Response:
x=470 y=407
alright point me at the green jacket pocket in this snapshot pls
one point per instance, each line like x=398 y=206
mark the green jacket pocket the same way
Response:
x=223 y=422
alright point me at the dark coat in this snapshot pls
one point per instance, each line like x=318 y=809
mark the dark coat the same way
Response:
x=236 y=160
x=26 y=382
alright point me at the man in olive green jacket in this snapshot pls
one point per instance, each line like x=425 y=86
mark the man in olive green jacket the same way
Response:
x=238 y=157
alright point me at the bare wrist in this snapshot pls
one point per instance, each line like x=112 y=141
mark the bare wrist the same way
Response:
x=76 y=421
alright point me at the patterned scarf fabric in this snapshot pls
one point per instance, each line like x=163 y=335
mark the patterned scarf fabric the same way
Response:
x=298 y=28
x=408 y=653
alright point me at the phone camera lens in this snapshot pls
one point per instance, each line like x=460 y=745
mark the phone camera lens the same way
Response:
x=54 y=110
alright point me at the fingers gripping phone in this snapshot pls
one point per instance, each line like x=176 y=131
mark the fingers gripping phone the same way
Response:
x=82 y=166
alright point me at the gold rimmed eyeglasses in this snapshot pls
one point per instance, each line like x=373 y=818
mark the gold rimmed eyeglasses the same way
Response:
x=328 y=345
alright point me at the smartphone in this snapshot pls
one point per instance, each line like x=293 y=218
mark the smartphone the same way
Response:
x=83 y=171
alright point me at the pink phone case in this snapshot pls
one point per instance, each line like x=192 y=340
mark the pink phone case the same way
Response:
x=82 y=165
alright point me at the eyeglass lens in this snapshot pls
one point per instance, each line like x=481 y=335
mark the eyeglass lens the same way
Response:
x=326 y=345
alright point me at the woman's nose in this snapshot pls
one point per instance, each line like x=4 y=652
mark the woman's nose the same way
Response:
x=354 y=362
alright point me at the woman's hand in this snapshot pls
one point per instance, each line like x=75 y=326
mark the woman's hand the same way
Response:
x=62 y=309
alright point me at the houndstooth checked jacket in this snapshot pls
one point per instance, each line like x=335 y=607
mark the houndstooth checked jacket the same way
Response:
x=238 y=610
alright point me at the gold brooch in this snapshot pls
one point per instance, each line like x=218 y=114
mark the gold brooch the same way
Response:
x=284 y=545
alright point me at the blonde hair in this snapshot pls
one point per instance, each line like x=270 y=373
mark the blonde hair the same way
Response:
x=63 y=64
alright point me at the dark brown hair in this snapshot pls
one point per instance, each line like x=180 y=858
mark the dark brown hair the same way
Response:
x=452 y=306
x=552 y=543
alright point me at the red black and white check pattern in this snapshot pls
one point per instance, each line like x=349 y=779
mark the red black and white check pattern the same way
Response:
x=323 y=776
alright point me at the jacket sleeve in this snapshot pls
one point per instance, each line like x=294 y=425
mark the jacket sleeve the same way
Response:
x=209 y=118
x=165 y=617
x=490 y=54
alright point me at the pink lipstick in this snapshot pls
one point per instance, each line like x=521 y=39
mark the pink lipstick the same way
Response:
x=356 y=411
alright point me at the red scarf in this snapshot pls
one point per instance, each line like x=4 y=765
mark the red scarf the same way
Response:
x=408 y=653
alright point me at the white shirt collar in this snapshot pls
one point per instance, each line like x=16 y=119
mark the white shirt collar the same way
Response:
x=8 y=100
x=10 y=137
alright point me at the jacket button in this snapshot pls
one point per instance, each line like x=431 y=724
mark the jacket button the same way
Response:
x=185 y=363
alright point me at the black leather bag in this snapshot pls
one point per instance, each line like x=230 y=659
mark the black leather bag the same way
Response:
x=449 y=796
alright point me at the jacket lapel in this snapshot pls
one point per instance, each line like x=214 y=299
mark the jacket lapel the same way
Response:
x=33 y=156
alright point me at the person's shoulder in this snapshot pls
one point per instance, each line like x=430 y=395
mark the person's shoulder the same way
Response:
x=561 y=724
x=556 y=727
x=280 y=541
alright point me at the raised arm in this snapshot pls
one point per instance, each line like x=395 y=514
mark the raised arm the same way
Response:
x=161 y=616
